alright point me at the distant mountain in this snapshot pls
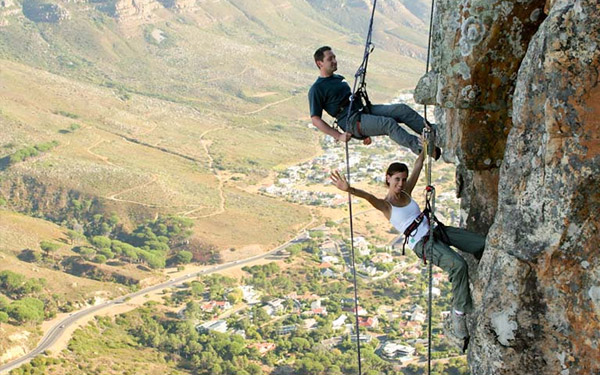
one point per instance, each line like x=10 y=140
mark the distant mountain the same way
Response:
x=398 y=25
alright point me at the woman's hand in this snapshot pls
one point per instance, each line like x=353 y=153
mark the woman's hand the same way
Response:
x=339 y=180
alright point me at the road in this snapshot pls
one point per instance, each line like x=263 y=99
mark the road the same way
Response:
x=58 y=330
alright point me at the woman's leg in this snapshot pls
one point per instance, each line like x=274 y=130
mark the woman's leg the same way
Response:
x=465 y=240
x=451 y=262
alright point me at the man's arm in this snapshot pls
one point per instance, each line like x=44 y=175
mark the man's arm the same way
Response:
x=327 y=129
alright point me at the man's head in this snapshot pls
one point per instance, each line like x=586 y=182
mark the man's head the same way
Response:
x=325 y=60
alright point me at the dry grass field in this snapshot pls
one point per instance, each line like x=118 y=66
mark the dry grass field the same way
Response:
x=176 y=112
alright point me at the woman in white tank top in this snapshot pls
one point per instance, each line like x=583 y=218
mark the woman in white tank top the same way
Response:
x=401 y=210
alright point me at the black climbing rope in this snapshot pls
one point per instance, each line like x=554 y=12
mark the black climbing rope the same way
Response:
x=359 y=92
x=430 y=208
x=429 y=137
x=359 y=87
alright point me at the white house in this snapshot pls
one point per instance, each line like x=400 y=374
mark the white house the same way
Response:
x=330 y=259
x=328 y=247
x=249 y=295
x=328 y=273
x=214 y=325
x=435 y=292
x=362 y=245
x=339 y=322
x=392 y=350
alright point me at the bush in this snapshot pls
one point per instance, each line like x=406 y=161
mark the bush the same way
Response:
x=99 y=259
x=101 y=242
x=31 y=151
x=27 y=310
x=183 y=257
x=107 y=253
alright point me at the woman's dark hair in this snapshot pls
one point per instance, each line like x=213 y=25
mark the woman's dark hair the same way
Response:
x=395 y=168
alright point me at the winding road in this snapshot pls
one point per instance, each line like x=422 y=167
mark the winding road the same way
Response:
x=59 y=329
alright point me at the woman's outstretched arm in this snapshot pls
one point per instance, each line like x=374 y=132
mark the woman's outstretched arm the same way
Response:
x=414 y=176
x=340 y=182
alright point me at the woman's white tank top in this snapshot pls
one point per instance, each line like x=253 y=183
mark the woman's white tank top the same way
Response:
x=402 y=217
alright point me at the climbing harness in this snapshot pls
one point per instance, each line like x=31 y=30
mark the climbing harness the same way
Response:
x=359 y=87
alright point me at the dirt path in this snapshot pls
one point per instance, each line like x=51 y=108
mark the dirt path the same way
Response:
x=269 y=105
x=101 y=157
x=228 y=77
x=220 y=179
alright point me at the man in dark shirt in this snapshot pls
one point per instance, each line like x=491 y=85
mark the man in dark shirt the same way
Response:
x=330 y=93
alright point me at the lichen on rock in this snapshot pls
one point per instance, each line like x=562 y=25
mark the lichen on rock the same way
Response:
x=518 y=99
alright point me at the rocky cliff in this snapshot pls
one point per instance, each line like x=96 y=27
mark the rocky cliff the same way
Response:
x=38 y=11
x=518 y=102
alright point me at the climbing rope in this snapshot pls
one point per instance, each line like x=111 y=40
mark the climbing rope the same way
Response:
x=353 y=263
x=359 y=86
x=429 y=137
x=360 y=83
x=430 y=208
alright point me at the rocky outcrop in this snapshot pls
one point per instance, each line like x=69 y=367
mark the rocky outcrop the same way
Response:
x=6 y=3
x=38 y=11
x=178 y=4
x=130 y=13
x=518 y=99
x=478 y=47
x=7 y=8
x=540 y=312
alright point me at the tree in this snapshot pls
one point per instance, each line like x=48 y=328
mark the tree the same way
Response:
x=183 y=257
x=32 y=286
x=86 y=252
x=11 y=282
x=235 y=296
x=101 y=242
x=75 y=237
x=254 y=369
x=49 y=247
x=197 y=288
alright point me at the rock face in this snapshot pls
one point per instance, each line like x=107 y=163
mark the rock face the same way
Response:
x=477 y=49
x=6 y=3
x=130 y=13
x=37 y=11
x=178 y=4
x=519 y=101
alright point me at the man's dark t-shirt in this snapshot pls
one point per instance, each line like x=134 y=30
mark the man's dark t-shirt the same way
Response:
x=327 y=94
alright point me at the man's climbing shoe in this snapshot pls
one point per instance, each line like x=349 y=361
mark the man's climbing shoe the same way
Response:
x=459 y=325
x=434 y=153
x=437 y=153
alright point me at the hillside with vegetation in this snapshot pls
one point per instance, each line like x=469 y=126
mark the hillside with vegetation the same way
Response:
x=136 y=138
